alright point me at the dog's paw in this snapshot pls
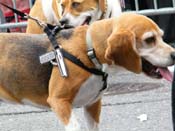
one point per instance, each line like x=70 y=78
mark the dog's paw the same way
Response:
x=73 y=124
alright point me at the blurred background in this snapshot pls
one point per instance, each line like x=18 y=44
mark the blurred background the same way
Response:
x=161 y=11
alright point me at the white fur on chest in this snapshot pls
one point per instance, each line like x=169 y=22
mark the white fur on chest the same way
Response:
x=89 y=92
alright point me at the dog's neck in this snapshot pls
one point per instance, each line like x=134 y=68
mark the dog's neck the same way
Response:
x=99 y=32
x=74 y=41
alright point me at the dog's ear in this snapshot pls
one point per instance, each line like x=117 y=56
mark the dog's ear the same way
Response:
x=102 y=5
x=121 y=50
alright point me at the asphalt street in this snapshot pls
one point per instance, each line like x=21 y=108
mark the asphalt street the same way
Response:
x=129 y=97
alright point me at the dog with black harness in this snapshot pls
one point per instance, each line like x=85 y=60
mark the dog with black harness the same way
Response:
x=79 y=81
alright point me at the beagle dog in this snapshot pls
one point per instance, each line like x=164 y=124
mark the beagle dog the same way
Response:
x=74 y=12
x=81 y=12
x=131 y=41
x=45 y=10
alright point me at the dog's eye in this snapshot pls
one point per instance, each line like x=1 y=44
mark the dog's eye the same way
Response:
x=75 y=4
x=150 y=40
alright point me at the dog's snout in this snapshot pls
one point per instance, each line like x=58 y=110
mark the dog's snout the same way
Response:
x=64 y=21
x=173 y=55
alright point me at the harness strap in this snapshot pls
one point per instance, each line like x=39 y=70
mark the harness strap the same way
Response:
x=94 y=71
x=51 y=32
x=51 y=36
x=78 y=62
x=92 y=56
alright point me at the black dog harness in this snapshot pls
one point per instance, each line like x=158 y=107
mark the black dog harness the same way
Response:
x=51 y=31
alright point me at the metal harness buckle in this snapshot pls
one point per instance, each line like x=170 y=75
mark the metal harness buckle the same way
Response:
x=91 y=53
x=92 y=56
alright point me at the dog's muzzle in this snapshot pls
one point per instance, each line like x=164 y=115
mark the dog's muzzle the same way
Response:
x=157 y=72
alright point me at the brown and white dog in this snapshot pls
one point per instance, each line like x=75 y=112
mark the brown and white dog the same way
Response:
x=74 y=12
x=131 y=41
x=81 y=12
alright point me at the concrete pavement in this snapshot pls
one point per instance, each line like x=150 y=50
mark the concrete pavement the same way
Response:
x=119 y=112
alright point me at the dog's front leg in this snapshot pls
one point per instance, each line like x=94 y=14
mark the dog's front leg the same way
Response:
x=60 y=99
x=73 y=124
x=92 y=115
x=64 y=111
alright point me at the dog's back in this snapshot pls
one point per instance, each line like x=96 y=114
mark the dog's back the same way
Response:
x=20 y=66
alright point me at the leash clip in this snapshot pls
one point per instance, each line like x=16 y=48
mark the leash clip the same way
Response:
x=60 y=62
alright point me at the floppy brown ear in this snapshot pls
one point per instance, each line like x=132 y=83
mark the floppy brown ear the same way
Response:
x=102 y=5
x=122 y=51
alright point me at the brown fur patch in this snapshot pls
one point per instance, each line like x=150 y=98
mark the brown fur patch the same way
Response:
x=122 y=50
x=138 y=24
x=102 y=5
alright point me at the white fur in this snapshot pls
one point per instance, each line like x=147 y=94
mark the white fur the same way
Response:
x=157 y=53
x=73 y=124
x=49 y=12
x=114 y=7
x=152 y=33
x=171 y=69
x=147 y=35
x=79 y=20
x=89 y=92
x=156 y=56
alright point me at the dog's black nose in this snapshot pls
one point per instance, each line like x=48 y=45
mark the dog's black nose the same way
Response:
x=173 y=55
x=64 y=21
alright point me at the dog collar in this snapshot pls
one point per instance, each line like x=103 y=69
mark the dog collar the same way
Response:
x=75 y=60
x=92 y=56
x=91 y=52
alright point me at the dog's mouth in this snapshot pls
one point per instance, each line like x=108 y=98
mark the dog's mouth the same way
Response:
x=87 y=20
x=156 y=72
